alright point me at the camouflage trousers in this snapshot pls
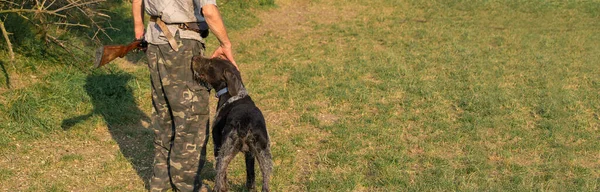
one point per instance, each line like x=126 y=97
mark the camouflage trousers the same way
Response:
x=180 y=117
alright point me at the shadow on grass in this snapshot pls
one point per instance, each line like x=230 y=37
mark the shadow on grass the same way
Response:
x=5 y=73
x=113 y=99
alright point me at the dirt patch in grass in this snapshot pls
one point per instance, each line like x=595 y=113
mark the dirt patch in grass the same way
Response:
x=327 y=119
x=287 y=20
x=294 y=19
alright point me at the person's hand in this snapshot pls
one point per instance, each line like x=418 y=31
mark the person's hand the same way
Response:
x=143 y=46
x=225 y=52
x=139 y=32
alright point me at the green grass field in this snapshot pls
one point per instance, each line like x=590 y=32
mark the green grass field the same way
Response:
x=387 y=95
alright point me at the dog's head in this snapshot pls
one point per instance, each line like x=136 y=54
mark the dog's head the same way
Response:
x=219 y=73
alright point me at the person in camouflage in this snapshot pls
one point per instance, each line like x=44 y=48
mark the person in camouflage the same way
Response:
x=180 y=105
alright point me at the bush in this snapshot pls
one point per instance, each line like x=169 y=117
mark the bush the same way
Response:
x=30 y=27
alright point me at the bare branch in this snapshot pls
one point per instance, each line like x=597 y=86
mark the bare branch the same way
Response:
x=77 y=4
x=55 y=40
x=62 y=45
x=96 y=34
x=9 y=2
x=68 y=6
x=55 y=17
x=100 y=28
x=32 y=11
x=51 y=3
x=102 y=14
x=72 y=24
x=10 y=50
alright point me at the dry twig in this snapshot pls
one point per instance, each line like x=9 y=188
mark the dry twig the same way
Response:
x=10 y=50
x=52 y=18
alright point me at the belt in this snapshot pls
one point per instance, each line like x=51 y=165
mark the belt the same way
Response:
x=163 y=27
x=198 y=27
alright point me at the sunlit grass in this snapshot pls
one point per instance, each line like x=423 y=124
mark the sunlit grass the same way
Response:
x=378 y=96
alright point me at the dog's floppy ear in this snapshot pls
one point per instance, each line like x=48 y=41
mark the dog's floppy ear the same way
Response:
x=234 y=83
x=201 y=60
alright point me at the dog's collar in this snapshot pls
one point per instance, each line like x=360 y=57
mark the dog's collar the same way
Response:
x=221 y=92
x=241 y=94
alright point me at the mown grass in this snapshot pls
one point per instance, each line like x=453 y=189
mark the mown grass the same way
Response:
x=379 y=96
x=460 y=95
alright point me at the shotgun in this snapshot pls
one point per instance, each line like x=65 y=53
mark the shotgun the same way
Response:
x=107 y=53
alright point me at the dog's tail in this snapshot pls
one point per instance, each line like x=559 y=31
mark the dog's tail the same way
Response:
x=247 y=136
x=244 y=131
x=253 y=132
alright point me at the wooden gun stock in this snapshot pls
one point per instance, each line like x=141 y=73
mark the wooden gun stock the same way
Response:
x=106 y=54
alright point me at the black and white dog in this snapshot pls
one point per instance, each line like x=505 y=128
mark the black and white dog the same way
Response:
x=238 y=124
